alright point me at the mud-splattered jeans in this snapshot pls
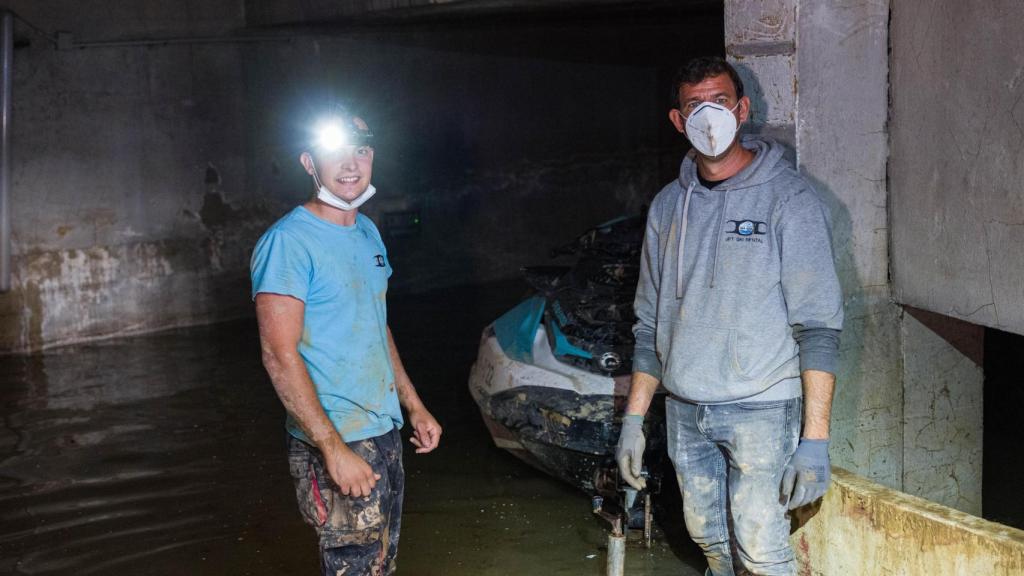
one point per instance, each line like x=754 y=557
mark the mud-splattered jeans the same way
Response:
x=729 y=460
x=358 y=536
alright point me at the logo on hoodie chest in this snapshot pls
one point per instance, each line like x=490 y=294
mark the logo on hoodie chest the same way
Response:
x=746 y=231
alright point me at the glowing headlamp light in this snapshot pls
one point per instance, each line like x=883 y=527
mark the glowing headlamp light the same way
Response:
x=334 y=134
x=330 y=137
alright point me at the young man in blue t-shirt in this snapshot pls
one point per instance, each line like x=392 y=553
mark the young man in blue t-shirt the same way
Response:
x=319 y=279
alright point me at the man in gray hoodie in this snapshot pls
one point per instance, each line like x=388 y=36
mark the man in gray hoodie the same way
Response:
x=739 y=312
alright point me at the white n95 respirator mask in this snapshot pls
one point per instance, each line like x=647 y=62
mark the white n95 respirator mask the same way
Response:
x=711 y=128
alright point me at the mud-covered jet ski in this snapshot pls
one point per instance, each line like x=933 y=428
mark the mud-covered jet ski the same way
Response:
x=552 y=374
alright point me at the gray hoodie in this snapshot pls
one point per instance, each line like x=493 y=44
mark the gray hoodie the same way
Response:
x=738 y=290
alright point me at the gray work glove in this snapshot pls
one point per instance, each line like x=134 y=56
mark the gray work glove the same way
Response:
x=629 y=454
x=806 y=476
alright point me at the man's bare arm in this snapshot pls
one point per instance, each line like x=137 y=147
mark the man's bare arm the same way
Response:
x=281 y=322
x=819 y=387
x=641 y=392
x=426 y=430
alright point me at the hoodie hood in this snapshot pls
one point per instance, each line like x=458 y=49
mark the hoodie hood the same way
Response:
x=767 y=164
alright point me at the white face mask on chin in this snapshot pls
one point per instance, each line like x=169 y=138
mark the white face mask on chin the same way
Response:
x=711 y=128
x=327 y=197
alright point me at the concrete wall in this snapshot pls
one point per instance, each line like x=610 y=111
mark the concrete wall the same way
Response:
x=264 y=12
x=865 y=529
x=943 y=409
x=956 y=170
x=822 y=76
x=822 y=70
x=127 y=172
x=841 y=147
x=293 y=12
x=957 y=207
x=760 y=39
x=142 y=176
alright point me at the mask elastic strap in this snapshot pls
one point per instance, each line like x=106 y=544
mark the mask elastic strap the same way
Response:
x=316 y=177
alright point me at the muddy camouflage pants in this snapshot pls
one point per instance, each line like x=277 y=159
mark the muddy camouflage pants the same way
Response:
x=358 y=536
x=729 y=460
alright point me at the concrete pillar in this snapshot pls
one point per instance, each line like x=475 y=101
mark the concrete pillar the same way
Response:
x=760 y=40
x=907 y=412
x=820 y=76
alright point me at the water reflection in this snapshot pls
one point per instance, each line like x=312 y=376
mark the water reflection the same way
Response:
x=151 y=455
x=164 y=455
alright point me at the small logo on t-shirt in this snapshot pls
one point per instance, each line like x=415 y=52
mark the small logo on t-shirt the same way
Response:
x=380 y=260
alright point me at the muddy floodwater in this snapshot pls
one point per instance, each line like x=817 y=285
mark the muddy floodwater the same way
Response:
x=164 y=454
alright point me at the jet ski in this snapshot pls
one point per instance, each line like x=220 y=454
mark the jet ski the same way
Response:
x=552 y=374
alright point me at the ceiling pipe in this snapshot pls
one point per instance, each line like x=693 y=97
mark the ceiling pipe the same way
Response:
x=65 y=41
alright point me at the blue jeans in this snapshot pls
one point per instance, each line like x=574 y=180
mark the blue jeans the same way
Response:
x=729 y=460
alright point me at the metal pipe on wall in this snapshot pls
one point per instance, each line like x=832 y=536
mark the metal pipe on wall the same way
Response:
x=65 y=41
x=6 y=74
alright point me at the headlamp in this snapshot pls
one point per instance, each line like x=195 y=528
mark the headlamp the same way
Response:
x=331 y=135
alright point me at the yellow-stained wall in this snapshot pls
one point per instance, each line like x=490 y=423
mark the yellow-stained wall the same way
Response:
x=864 y=528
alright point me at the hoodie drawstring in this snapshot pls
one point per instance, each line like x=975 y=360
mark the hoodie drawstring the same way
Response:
x=682 y=238
x=718 y=240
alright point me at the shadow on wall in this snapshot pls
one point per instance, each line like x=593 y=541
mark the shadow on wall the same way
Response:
x=862 y=429
x=852 y=411
x=760 y=111
x=850 y=352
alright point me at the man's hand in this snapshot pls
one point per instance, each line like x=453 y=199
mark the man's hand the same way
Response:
x=426 y=432
x=349 y=471
x=630 y=452
x=806 y=476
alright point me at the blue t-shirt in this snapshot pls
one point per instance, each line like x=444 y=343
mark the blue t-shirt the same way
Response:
x=341 y=274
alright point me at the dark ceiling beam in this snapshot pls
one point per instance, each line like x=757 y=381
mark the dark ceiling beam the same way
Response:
x=325 y=15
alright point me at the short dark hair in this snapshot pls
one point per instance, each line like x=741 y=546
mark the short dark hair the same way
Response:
x=700 y=68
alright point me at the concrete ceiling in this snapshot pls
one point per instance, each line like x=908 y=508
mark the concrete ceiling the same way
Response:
x=346 y=14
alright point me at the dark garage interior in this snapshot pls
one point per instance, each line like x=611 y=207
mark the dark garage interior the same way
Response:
x=502 y=133
x=145 y=147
